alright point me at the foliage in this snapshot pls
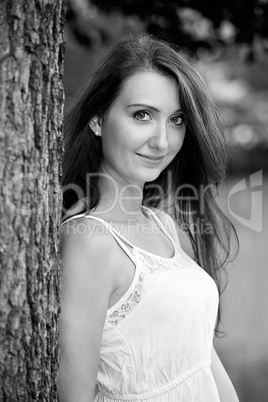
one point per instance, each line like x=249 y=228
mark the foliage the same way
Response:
x=191 y=24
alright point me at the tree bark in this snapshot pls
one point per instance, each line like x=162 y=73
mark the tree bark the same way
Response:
x=31 y=113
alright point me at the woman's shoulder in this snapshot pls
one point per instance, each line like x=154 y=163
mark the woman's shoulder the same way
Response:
x=88 y=242
x=85 y=229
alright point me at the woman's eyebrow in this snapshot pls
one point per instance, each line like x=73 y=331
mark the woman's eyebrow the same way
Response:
x=148 y=107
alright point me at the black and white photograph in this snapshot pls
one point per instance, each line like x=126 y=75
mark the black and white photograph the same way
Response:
x=133 y=201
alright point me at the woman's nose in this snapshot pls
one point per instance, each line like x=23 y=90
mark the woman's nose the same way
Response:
x=159 y=138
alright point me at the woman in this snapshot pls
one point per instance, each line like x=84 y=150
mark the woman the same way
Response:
x=138 y=313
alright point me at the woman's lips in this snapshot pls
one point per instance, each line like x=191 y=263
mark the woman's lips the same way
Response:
x=150 y=158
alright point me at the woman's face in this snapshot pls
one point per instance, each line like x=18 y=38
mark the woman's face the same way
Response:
x=143 y=130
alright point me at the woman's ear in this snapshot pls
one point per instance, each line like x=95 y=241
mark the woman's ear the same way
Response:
x=95 y=125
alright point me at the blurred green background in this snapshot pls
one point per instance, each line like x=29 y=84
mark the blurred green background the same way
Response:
x=228 y=42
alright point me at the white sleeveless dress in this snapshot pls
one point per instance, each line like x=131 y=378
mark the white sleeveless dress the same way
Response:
x=157 y=339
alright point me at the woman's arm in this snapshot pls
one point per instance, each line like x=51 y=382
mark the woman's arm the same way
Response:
x=87 y=283
x=225 y=387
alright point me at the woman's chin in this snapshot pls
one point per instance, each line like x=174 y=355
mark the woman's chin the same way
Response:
x=151 y=176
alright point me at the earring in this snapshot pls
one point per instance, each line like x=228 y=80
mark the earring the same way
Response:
x=96 y=133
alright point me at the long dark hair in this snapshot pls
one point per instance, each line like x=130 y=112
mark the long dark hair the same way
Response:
x=199 y=167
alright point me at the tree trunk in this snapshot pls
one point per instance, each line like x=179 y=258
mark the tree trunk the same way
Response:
x=31 y=112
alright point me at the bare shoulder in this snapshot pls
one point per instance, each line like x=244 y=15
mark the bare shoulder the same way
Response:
x=86 y=235
x=87 y=252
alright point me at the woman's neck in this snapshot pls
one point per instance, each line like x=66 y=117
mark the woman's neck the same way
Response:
x=120 y=200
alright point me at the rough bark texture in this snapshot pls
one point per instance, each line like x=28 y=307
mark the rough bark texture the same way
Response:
x=31 y=109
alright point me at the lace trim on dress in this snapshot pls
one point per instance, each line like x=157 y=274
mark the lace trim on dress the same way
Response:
x=180 y=262
x=132 y=300
x=151 y=265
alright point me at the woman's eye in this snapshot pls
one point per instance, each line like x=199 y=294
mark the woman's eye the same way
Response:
x=142 y=115
x=177 y=120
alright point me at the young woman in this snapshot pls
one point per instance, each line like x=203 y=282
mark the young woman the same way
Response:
x=138 y=312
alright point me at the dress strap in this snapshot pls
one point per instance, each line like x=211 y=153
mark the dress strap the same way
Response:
x=116 y=235
x=72 y=218
x=159 y=222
